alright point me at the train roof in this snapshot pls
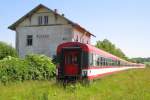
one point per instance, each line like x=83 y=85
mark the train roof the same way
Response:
x=89 y=48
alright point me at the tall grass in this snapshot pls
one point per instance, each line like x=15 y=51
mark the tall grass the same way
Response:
x=126 y=85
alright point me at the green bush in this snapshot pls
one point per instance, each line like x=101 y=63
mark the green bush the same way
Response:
x=40 y=67
x=13 y=69
x=7 y=50
x=33 y=67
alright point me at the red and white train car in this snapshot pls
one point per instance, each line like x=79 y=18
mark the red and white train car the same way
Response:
x=78 y=61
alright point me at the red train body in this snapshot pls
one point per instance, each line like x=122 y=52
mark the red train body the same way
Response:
x=78 y=61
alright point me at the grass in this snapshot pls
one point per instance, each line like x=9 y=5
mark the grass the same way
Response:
x=127 y=85
x=148 y=63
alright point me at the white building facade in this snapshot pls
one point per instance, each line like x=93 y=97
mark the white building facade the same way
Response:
x=41 y=30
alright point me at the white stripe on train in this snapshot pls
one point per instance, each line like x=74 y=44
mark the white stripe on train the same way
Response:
x=97 y=72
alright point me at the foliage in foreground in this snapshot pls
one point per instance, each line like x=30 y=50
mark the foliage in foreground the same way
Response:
x=13 y=69
x=127 y=85
x=40 y=67
x=33 y=67
x=7 y=50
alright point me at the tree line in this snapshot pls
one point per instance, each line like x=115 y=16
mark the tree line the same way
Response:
x=107 y=46
x=141 y=60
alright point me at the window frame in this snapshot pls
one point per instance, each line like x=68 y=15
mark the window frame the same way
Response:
x=45 y=20
x=29 y=40
x=40 y=20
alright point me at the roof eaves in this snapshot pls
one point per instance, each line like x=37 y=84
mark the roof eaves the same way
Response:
x=77 y=26
x=13 y=26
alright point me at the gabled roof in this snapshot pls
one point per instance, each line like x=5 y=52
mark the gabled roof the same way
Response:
x=75 y=25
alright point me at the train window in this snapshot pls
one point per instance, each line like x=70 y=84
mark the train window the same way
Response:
x=69 y=59
x=101 y=61
x=98 y=61
x=118 y=63
x=66 y=59
x=91 y=59
x=74 y=60
x=115 y=63
x=107 y=62
x=112 y=62
x=94 y=60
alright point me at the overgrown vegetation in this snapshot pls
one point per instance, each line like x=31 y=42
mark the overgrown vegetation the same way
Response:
x=7 y=50
x=40 y=67
x=127 y=85
x=141 y=60
x=33 y=67
x=148 y=65
x=107 y=46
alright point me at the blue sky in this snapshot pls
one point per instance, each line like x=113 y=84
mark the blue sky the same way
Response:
x=126 y=23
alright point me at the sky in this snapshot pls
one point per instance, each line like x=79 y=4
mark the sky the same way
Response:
x=126 y=23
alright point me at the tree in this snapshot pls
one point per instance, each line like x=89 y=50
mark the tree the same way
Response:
x=7 y=50
x=107 y=46
x=141 y=60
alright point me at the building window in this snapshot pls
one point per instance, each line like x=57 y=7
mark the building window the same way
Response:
x=82 y=40
x=45 y=20
x=29 y=40
x=77 y=39
x=40 y=20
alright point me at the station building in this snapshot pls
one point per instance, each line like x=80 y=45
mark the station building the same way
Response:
x=41 y=30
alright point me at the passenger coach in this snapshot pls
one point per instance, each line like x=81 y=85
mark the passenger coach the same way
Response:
x=78 y=61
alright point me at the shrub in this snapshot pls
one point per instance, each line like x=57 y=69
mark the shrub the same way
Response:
x=33 y=67
x=40 y=67
x=7 y=50
x=13 y=69
x=147 y=65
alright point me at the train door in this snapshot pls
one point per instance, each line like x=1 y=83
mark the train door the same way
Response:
x=71 y=62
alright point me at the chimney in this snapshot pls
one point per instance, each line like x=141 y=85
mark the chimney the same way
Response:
x=55 y=10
